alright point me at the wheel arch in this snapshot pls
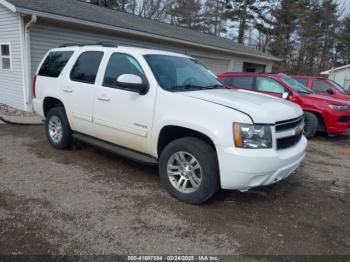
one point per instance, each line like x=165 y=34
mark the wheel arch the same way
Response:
x=321 y=123
x=170 y=133
x=51 y=102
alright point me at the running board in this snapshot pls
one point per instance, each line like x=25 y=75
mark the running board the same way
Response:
x=118 y=150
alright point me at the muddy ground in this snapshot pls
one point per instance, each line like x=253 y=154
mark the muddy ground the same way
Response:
x=86 y=201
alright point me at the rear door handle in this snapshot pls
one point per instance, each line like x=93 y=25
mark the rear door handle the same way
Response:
x=104 y=98
x=67 y=89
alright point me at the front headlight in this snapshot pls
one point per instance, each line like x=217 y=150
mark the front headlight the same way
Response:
x=252 y=136
x=339 y=108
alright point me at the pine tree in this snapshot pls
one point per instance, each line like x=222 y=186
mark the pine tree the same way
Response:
x=188 y=13
x=344 y=41
x=155 y=9
x=243 y=12
x=329 y=27
x=284 y=25
x=213 y=10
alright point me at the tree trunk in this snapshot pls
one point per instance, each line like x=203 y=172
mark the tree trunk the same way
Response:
x=242 y=23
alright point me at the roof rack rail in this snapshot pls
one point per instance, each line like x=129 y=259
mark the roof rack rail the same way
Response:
x=104 y=44
x=107 y=44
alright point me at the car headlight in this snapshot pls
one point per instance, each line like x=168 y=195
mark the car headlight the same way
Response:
x=339 y=108
x=252 y=136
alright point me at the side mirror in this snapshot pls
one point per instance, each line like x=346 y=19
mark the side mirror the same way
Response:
x=132 y=83
x=285 y=95
x=330 y=91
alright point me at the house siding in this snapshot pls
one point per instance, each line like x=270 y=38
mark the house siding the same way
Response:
x=45 y=37
x=11 y=81
x=341 y=76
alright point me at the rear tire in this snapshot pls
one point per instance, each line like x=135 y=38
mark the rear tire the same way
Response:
x=57 y=128
x=194 y=162
x=311 y=124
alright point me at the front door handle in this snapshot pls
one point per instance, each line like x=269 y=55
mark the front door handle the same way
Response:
x=104 y=98
x=67 y=89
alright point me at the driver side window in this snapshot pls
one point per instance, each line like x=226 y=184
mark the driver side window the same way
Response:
x=265 y=84
x=320 y=86
x=120 y=64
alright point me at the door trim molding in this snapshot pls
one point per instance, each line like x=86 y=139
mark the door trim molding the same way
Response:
x=121 y=127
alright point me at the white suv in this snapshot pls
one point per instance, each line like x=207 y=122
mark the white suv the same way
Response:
x=168 y=109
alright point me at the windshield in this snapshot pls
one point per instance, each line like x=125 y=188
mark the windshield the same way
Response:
x=176 y=73
x=339 y=87
x=296 y=85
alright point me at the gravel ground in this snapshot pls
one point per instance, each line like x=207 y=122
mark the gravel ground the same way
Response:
x=86 y=201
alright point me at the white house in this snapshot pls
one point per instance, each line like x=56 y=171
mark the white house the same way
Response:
x=28 y=29
x=341 y=75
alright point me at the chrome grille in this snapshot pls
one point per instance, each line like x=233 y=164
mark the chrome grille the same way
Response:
x=286 y=132
x=289 y=124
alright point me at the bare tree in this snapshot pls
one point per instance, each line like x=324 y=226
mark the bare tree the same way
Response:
x=154 y=9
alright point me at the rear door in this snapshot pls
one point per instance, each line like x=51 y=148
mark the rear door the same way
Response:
x=79 y=91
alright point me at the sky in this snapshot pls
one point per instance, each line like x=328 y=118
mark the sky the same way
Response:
x=345 y=7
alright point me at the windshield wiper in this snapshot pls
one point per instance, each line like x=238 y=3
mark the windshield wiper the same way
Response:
x=215 y=86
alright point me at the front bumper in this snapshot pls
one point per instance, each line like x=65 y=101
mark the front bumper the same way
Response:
x=242 y=169
x=338 y=122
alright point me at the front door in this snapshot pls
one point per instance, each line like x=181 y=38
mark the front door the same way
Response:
x=121 y=116
x=322 y=87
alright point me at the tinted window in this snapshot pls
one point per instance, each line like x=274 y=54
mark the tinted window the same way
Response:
x=302 y=81
x=320 y=86
x=266 y=84
x=243 y=82
x=86 y=67
x=120 y=64
x=54 y=63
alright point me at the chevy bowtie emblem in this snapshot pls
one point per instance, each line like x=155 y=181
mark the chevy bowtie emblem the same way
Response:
x=298 y=131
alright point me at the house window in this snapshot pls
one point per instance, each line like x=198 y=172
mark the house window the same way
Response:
x=5 y=56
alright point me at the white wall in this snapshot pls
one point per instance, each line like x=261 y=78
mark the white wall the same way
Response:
x=342 y=77
x=11 y=81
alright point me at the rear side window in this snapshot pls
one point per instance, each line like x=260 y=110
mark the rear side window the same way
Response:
x=86 y=67
x=54 y=63
x=302 y=81
x=243 y=82
x=320 y=86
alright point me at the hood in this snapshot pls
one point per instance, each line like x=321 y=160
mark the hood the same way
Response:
x=327 y=99
x=263 y=109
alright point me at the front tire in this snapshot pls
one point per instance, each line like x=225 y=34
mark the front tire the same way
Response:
x=189 y=171
x=311 y=124
x=57 y=127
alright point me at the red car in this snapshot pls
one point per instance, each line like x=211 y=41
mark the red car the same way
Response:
x=322 y=113
x=324 y=86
